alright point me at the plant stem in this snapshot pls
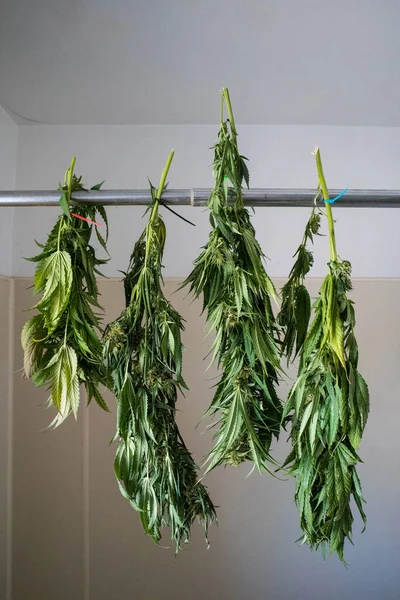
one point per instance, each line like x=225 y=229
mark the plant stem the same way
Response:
x=60 y=228
x=221 y=107
x=70 y=176
x=164 y=174
x=161 y=185
x=65 y=331
x=325 y=194
x=225 y=92
x=154 y=210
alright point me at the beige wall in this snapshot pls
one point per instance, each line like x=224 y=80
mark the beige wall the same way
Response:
x=76 y=538
x=6 y=393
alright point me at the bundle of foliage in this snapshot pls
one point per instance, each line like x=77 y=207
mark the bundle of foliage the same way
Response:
x=328 y=406
x=143 y=353
x=60 y=343
x=295 y=312
x=237 y=292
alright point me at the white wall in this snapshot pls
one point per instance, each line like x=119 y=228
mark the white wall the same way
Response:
x=280 y=156
x=8 y=152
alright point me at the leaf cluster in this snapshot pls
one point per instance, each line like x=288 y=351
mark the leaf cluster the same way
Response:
x=236 y=290
x=61 y=344
x=295 y=312
x=143 y=353
x=328 y=406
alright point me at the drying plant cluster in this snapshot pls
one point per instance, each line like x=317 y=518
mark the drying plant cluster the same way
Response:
x=143 y=354
x=236 y=291
x=61 y=344
x=328 y=404
x=139 y=356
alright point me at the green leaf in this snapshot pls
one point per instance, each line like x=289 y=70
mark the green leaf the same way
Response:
x=303 y=313
x=333 y=419
x=64 y=205
x=102 y=212
x=93 y=392
x=54 y=276
x=295 y=310
x=305 y=418
x=32 y=334
x=313 y=429
x=97 y=186
x=62 y=372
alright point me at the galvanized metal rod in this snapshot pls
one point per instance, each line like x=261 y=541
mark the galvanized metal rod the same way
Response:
x=198 y=197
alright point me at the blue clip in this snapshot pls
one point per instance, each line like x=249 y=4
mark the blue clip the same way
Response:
x=337 y=197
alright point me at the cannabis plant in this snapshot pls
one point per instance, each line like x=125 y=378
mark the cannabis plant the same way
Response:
x=61 y=344
x=295 y=312
x=143 y=353
x=328 y=406
x=237 y=292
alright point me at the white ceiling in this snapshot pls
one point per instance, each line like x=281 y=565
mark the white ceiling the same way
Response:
x=333 y=62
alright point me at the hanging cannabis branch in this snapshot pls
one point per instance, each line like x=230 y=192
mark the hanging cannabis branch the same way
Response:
x=237 y=297
x=143 y=352
x=328 y=406
x=60 y=343
x=295 y=312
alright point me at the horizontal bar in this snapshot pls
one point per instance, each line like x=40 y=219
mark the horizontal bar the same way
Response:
x=105 y=197
x=199 y=197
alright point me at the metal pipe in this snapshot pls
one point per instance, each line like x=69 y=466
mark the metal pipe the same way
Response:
x=199 y=196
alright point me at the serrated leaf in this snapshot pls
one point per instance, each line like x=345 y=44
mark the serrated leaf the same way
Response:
x=65 y=205
x=102 y=212
x=303 y=313
x=62 y=373
x=54 y=276
x=32 y=332
x=305 y=418
x=97 y=186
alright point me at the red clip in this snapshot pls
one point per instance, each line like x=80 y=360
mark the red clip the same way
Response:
x=87 y=220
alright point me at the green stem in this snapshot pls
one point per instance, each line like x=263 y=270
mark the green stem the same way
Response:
x=164 y=175
x=225 y=92
x=70 y=176
x=221 y=108
x=154 y=210
x=65 y=331
x=161 y=185
x=329 y=214
x=60 y=228
x=227 y=98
